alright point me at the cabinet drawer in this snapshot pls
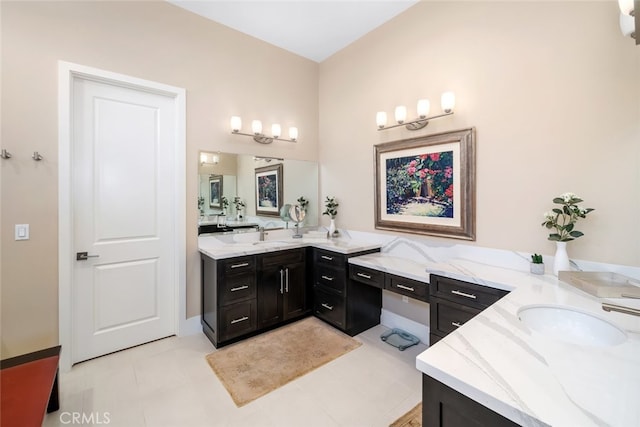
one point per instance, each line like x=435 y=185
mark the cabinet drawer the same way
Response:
x=465 y=293
x=328 y=258
x=237 y=319
x=329 y=307
x=331 y=278
x=447 y=317
x=366 y=275
x=408 y=287
x=237 y=288
x=239 y=265
x=277 y=259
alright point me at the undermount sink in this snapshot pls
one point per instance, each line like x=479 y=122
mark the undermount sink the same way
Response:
x=571 y=325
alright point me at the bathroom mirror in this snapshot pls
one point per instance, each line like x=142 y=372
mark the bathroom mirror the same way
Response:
x=230 y=176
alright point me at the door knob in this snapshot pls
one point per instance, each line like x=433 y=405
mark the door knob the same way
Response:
x=83 y=256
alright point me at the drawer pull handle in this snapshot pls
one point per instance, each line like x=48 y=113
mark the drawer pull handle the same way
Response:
x=239 y=288
x=406 y=288
x=456 y=324
x=242 y=319
x=328 y=278
x=327 y=306
x=366 y=276
x=462 y=294
x=244 y=264
x=328 y=258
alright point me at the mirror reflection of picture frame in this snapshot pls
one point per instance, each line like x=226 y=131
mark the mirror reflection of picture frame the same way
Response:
x=426 y=185
x=215 y=191
x=269 y=190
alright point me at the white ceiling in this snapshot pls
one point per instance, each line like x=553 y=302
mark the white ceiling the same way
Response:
x=314 y=29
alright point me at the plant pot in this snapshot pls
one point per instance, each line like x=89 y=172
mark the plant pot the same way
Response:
x=561 y=259
x=536 y=268
x=332 y=227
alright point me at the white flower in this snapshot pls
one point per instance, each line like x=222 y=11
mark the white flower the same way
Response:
x=549 y=215
x=568 y=196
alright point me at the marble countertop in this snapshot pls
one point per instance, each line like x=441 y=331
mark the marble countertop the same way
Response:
x=234 y=245
x=530 y=379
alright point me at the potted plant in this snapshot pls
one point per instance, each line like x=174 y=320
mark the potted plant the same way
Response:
x=330 y=205
x=563 y=220
x=303 y=203
x=537 y=265
x=239 y=205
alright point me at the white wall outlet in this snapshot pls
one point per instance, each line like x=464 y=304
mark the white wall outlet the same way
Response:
x=22 y=231
x=405 y=298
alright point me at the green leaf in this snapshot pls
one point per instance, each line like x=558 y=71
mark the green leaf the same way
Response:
x=576 y=200
x=569 y=227
x=554 y=237
x=558 y=200
x=556 y=210
x=576 y=234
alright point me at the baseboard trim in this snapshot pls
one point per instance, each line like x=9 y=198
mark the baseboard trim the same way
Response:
x=393 y=320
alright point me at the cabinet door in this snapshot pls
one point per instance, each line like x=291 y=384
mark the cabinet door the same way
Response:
x=444 y=407
x=295 y=287
x=270 y=295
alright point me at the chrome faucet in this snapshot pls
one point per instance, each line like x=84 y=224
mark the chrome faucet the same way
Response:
x=620 y=309
x=262 y=233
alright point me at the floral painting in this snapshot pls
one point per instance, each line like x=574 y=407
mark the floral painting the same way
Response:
x=421 y=185
x=215 y=191
x=269 y=190
x=426 y=185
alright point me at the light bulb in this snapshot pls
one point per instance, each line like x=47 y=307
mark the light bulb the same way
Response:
x=401 y=114
x=448 y=101
x=423 y=108
x=626 y=7
x=203 y=158
x=256 y=127
x=236 y=123
x=293 y=133
x=275 y=130
x=627 y=25
x=381 y=119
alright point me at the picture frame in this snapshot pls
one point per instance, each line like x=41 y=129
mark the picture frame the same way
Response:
x=215 y=191
x=269 y=186
x=426 y=185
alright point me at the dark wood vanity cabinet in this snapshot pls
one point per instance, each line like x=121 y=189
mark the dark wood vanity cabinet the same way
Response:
x=454 y=302
x=282 y=290
x=229 y=305
x=349 y=305
x=444 y=407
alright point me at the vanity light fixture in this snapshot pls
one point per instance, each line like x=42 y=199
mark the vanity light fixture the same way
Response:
x=204 y=159
x=258 y=136
x=447 y=102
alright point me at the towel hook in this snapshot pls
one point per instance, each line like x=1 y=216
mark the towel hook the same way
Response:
x=5 y=154
x=36 y=156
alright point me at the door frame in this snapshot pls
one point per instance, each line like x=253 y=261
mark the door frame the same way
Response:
x=67 y=72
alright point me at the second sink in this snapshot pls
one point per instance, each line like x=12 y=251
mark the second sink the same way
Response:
x=571 y=325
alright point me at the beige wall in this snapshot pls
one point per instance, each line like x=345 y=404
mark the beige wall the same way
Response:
x=552 y=90
x=224 y=72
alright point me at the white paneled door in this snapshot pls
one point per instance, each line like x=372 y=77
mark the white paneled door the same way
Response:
x=123 y=286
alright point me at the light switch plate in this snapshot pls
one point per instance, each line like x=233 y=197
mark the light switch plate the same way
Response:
x=22 y=231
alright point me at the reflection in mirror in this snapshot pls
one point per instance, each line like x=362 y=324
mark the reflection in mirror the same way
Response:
x=233 y=178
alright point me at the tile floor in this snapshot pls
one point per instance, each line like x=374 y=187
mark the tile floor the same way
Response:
x=169 y=383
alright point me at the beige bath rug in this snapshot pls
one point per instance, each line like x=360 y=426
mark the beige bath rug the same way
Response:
x=256 y=366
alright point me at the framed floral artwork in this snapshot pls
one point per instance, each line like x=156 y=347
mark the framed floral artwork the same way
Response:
x=269 y=190
x=215 y=191
x=426 y=185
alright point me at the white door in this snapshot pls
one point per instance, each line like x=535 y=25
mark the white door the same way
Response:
x=122 y=188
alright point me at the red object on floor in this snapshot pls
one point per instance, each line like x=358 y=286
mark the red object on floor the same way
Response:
x=29 y=388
